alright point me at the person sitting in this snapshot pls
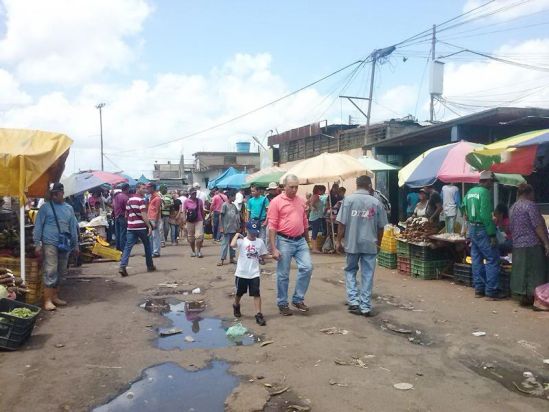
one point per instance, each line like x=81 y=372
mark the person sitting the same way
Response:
x=501 y=219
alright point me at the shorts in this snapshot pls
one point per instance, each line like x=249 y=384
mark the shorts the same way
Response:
x=244 y=285
x=195 y=230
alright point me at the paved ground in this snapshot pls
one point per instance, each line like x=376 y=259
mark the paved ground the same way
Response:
x=422 y=335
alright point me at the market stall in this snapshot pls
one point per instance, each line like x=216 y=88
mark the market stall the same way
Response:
x=30 y=161
x=264 y=177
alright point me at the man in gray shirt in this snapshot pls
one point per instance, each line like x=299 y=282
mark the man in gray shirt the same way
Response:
x=361 y=220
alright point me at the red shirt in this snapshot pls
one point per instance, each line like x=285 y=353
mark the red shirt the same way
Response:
x=217 y=202
x=134 y=207
x=287 y=216
x=155 y=206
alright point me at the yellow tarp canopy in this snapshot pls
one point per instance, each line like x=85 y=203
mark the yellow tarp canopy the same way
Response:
x=30 y=160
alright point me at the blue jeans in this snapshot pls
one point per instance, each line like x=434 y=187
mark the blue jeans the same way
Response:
x=120 y=229
x=316 y=226
x=226 y=246
x=362 y=297
x=132 y=237
x=156 y=238
x=485 y=277
x=450 y=222
x=299 y=250
x=215 y=226
x=174 y=232
x=263 y=233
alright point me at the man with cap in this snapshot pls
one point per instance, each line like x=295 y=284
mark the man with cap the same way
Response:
x=289 y=235
x=119 y=201
x=155 y=217
x=55 y=236
x=272 y=191
x=199 y=193
x=167 y=203
x=478 y=209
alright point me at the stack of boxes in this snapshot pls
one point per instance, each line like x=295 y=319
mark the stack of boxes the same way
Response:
x=403 y=257
x=387 y=256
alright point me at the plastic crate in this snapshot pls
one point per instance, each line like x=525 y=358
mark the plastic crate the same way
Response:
x=106 y=252
x=15 y=331
x=428 y=269
x=387 y=260
x=403 y=248
x=388 y=244
x=427 y=253
x=463 y=273
x=404 y=265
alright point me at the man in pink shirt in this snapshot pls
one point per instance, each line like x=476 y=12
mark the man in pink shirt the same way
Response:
x=215 y=207
x=155 y=217
x=289 y=235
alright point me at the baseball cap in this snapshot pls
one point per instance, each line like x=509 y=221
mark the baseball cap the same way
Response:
x=487 y=175
x=196 y=185
x=272 y=185
x=253 y=227
x=57 y=187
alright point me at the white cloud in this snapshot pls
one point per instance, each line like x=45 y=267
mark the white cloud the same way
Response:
x=69 y=41
x=144 y=113
x=10 y=93
x=505 y=9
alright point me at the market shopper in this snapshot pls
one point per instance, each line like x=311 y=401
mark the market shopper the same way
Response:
x=154 y=214
x=218 y=200
x=139 y=228
x=229 y=225
x=257 y=207
x=272 y=191
x=167 y=203
x=316 y=215
x=55 y=235
x=530 y=246
x=361 y=220
x=193 y=215
x=450 y=204
x=482 y=233
x=289 y=236
x=119 y=201
x=174 y=219
x=434 y=204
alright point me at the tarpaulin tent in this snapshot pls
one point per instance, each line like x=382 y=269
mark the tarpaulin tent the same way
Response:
x=83 y=181
x=232 y=182
x=143 y=179
x=375 y=165
x=226 y=173
x=264 y=180
x=29 y=161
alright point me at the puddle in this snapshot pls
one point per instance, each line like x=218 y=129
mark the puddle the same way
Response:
x=519 y=380
x=197 y=332
x=391 y=300
x=169 y=387
x=413 y=335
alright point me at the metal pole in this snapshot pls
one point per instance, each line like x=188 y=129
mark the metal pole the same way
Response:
x=100 y=106
x=22 y=251
x=366 y=129
x=433 y=43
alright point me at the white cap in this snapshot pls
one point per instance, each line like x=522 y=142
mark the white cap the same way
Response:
x=272 y=185
x=196 y=185
x=487 y=175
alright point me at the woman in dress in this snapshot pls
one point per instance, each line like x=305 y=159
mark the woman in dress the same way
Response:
x=530 y=245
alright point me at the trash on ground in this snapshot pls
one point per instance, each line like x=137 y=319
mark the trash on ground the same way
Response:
x=479 y=333
x=168 y=285
x=236 y=331
x=546 y=361
x=279 y=391
x=189 y=339
x=171 y=331
x=353 y=362
x=298 y=408
x=334 y=331
x=267 y=385
x=403 y=386
x=59 y=345
x=335 y=383
x=394 y=328
x=267 y=342
x=196 y=291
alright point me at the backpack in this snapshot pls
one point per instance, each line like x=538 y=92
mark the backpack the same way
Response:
x=192 y=214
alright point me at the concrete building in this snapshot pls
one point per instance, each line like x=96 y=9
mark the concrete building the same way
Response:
x=208 y=165
x=173 y=175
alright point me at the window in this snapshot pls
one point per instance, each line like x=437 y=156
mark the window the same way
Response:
x=229 y=160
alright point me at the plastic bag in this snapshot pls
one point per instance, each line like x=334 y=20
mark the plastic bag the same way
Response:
x=236 y=331
x=541 y=297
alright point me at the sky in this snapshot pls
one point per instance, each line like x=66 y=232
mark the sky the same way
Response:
x=168 y=69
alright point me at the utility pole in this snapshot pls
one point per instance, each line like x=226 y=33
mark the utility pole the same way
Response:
x=100 y=106
x=433 y=43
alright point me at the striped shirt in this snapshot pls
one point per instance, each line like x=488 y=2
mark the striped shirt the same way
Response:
x=134 y=208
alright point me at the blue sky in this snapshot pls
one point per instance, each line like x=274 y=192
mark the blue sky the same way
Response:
x=166 y=69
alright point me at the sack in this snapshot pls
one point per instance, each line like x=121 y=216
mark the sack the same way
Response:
x=541 y=297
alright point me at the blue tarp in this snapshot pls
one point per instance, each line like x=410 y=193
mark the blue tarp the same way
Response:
x=143 y=179
x=229 y=172
x=232 y=182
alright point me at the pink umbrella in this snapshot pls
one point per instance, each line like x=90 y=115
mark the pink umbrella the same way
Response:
x=454 y=168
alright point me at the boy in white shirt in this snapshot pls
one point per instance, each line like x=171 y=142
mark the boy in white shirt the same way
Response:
x=251 y=250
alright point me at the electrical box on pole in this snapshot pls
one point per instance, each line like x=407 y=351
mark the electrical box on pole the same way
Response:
x=436 y=82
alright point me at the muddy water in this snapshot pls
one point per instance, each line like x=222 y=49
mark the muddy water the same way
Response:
x=169 y=387
x=198 y=332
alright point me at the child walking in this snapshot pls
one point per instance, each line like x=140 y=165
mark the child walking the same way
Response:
x=251 y=250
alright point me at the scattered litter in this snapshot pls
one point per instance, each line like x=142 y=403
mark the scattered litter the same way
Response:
x=369 y=356
x=494 y=312
x=479 y=333
x=528 y=374
x=189 y=339
x=267 y=342
x=419 y=374
x=546 y=361
x=334 y=331
x=59 y=345
x=354 y=362
x=171 y=331
x=394 y=328
x=196 y=291
x=335 y=383
x=236 y=331
x=168 y=285
x=298 y=408
x=267 y=385
x=385 y=369
x=403 y=386
x=259 y=377
x=279 y=391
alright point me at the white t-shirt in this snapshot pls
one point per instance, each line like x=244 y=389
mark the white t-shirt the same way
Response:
x=450 y=200
x=239 y=199
x=249 y=251
x=201 y=195
x=182 y=200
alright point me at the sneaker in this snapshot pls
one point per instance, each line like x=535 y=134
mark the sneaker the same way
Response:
x=193 y=254
x=236 y=311
x=358 y=312
x=499 y=296
x=301 y=306
x=123 y=272
x=479 y=294
x=199 y=254
x=285 y=310
x=156 y=255
x=151 y=269
x=260 y=319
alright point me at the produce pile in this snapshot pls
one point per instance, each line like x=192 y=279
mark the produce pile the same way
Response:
x=10 y=285
x=9 y=243
x=23 y=313
x=88 y=238
x=418 y=230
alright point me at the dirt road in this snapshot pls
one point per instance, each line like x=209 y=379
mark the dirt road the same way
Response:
x=86 y=354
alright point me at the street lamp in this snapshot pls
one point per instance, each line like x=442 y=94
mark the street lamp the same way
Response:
x=100 y=106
